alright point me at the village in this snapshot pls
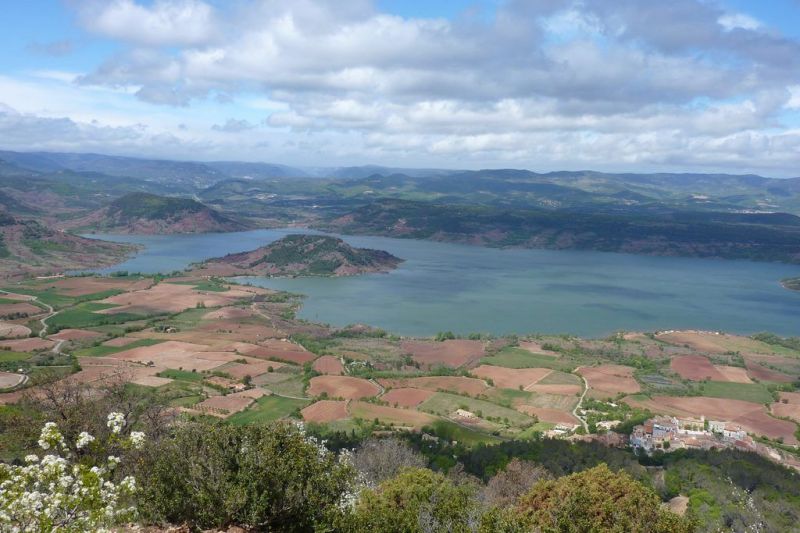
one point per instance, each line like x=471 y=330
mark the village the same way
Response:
x=669 y=434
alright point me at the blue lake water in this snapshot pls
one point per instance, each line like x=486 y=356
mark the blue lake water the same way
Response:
x=473 y=289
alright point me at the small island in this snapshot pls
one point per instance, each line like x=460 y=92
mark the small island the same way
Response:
x=793 y=284
x=301 y=255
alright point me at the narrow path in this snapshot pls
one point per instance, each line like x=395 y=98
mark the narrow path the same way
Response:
x=43 y=321
x=580 y=401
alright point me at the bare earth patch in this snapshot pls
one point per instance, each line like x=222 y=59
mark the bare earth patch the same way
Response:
x=734 y=374
x=253 y=368
x=554 y=416
x=81 y=286
x=9 y=379
x=788 y=406
x=329 y=364
x=452 y=353
x=695 y=368
x=176 y=354
x=31 y=344
x=402 y=417
x=9 y=330
x=228 y=313
x=765 y=374
x=224 y=406
x=462 y=385
x=406 y=397
x=74 y=335
x=22 y=308
x=511 y=378
x=610 y=378
x=346 y=387
x=325 y=411
x=171 y=298
x=535 y=347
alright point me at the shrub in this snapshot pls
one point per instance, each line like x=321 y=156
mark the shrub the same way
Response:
x=267 y=478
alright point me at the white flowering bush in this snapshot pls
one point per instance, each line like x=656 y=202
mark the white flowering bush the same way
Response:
x=66 y=491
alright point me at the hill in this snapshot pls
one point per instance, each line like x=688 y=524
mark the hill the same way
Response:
x=30 y=248
x=303 y=255
x=148 y=214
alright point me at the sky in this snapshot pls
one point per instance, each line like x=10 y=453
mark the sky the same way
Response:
x=623 y=85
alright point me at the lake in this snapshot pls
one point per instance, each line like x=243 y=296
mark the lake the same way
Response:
x=467 y=289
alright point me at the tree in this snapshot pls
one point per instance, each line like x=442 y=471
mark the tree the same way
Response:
x=597 y=500
x=416 y=500
x=70 y=491
x=518 y=477
x=265 y=478
x=380 y=459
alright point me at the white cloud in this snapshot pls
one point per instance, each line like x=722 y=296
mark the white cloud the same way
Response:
x=166 y=22
x=732 y=21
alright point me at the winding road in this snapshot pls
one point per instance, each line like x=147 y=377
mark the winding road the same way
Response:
x=580 y=402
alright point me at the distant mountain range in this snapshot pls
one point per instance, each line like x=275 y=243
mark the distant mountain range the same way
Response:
x=691 y=214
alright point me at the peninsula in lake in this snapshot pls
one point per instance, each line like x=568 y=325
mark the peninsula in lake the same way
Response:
x=302 y=255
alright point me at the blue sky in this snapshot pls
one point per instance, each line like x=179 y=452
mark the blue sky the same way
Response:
x=629 y=85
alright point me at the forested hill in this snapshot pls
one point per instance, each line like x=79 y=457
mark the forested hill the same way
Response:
x=146 y=213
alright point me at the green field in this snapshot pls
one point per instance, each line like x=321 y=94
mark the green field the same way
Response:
x=444 y=403
x=512 y=357
x=52 y=297
x=267 y=409
x=101 y=350
x=84 y=315
x=750 y=392
x=282 y=381
x=454 y=432
x=181 y=375
x=7 y=356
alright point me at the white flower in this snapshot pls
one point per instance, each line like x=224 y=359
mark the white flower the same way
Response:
x=84 y=439
x=51 y=437
x=137 y=439
x=116 y=421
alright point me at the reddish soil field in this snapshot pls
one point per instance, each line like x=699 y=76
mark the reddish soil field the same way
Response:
x=788 y=410
x=74 y=335
x=175 y=354
x=20 y=308
x=562 y=390
x=151 y=381
x=791 y=407
x=695 y=368
x=734 y=374
x=234 y=331
x=329 y=364
x=224 y=406
x=402 y=417
x=554 y=416
x=345 y=387
x=452 y=353
x=31 y=344
x=325 y=411
x=253 y=368
x=458 y=384
x=765 y=374
x=610 y=378
x=13 y=331
x=274 y=349
x=406 y=397
x=752 y=417
x=511 y=378
x=171 y=298
x=8 y=380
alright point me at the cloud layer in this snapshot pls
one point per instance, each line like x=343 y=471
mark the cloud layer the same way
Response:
x=553 y=83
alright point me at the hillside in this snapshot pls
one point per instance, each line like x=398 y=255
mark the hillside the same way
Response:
x=758 y=237
x=144 y=213
x=303 y=255
x=31 y=248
